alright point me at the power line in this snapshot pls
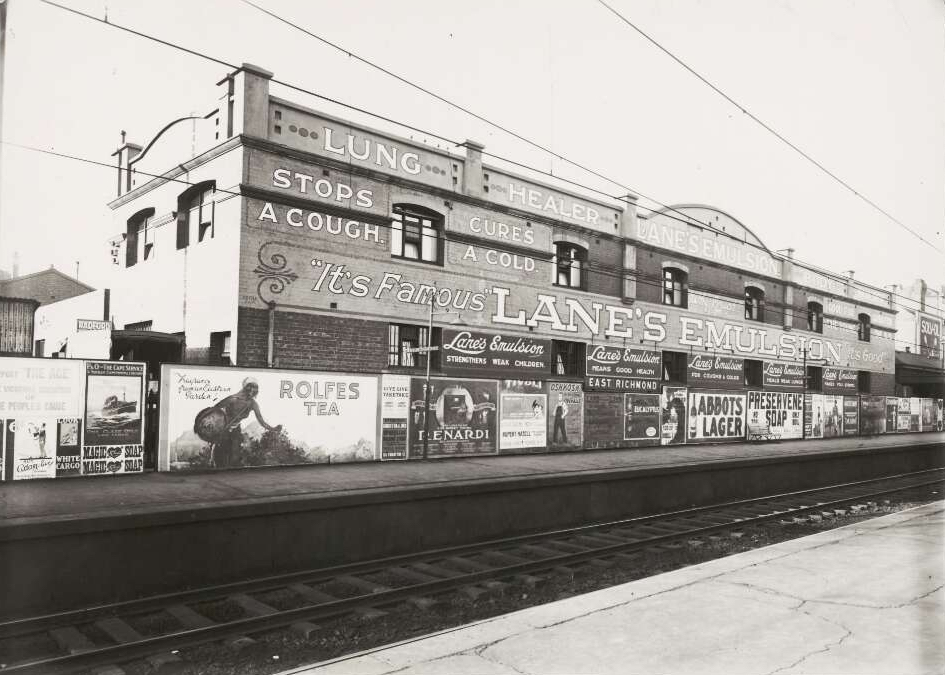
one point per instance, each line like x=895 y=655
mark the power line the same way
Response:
x=687 y=219
x=767 y=127
x=601 y=270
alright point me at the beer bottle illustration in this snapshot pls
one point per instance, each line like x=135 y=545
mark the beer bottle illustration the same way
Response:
x=692 y=422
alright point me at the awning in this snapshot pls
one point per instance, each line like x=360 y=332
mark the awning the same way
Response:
x=918 y=369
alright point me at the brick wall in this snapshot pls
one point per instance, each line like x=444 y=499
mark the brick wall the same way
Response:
x=312 y=341
x=883 y=384
x=606 y=263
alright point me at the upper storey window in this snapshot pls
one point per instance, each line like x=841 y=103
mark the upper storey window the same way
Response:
x=570 y=263
x=136 y=237
x=815 y=317
x=863 y=327
x=416 y=234
x=195 y=211
x=754 y=303
x=675 y=287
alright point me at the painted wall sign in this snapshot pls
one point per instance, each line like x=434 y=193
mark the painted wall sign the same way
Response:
x=463 y=417
x=839 y=381
x=523 y=415
x=785 y=376
x=565 y=416
x=92 y=324
x=542 y=200
x=673 y=416
x=641 y=418
x=775 y=415
x=718 y=306
x=929 y=338
x=699 y=242
x=708 y=370
x=395 y=411
x=715 y=416
x=624 y=362
x=233 y=417
x=873 y=415
x=470 y=351
x=596 y=383
x=41 y=388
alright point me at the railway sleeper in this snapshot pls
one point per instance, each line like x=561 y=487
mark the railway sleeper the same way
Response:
x=70 y=639
x=119 y=631
x=317 y=597
x=473 y=566
x=503 y=558
x=190 y=619
x=255 y=607
x=472 y=591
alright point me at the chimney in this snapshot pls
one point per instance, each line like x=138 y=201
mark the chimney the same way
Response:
x=245 y=101
x=125 y=152
x=473 y=178
x=923 y=291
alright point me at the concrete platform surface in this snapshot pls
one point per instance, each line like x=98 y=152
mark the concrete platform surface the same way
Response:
x=25 y=502
x=863 y=599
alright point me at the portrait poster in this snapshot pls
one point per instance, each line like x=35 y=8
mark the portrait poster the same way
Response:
x=814 y=415
x=833 y=416
x=774 y=415
x=904 y=415
x=395 y=410
x=715 y=416
x=673 y=416
x=462 y=417
x=851 y=411
x=641 y=417
x=217 y=417
x=928 y=414
x=34 y=447
x=892 y=414
x=915 y=419
x=68 y=447
x=939 y=414
x=114 y=401
x=872 y=415
x=523 y=415
x=565 y=416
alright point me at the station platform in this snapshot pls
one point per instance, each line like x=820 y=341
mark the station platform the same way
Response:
x=73 y=543
x=861 y=599
x=68 y=500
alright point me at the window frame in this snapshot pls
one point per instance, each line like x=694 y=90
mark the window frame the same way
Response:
x=568 y=358
x=400 y=213
x=815 y=317
x=754 y=373
x=674 y=367
x=754 y=303
x=397 y=342
x=576 y=260
x=199 y=197
x=864 y=326
x=863 y=382
x=814 y=379
x=675 y=281
x=132 y=228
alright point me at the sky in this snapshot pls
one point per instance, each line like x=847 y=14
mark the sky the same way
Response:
x=859 y=85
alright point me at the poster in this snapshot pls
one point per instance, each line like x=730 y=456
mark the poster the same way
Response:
x=68 y=456
x=904 y=415
x=113 y=403
x=850 y=416
x=673 y=416
x=104 y=460
x=476 y=353
x=41 y=388
x=939 y=414
x=823 y=416
x=915 y=419
x=462 y=417
x=785 y=376
x=715 y=416
x=706 y=370
x=774 y=415
x=928 y=415
x=234 y=417
x=929 y=335
x=523 y=415
x=565 y=416
x=34 y=447
x=395 y=410
x=873 y=415
x=892 y=414
x=641 y=417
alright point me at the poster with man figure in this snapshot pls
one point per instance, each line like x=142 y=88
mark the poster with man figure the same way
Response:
x=461 y=418
x=565 y=416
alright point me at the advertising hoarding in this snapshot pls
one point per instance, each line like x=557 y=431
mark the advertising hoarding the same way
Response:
x=523 y=415
x=723 y=372
x=565 y=416
x=892 y=414
x=851 y=411
x=775 y=415
x=873 y=415
x=236 y=417
x=929 y=335
x=597 y=383
x=641 y=418
x=783 y=376
x=715 y=416
x=624 y=362
x=114 y=427
x=462 y=417
x=839 y=381
x=41 y=388
x=927 y=423
x=823 y=416
x=673 y=416
x=904 y=415
x=395 y=410
x=915 y=418
x=473 y=352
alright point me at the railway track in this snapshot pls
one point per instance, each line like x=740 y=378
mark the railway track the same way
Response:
x=154 y=629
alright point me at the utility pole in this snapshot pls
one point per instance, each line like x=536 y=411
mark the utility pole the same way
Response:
x=426 y=386
x=4 y=4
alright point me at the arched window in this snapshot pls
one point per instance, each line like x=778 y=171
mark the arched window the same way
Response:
x=195 y=209
x=754 y=303
x=815 y=317
x=675 y=287
x=863 y=327
x=136 y=237
x=570 y=262
x=415 y=233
